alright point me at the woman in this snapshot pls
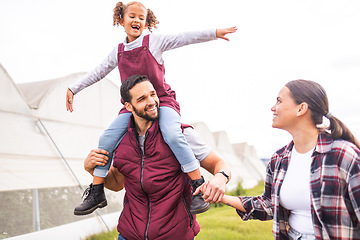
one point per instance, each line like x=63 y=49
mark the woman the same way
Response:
x=312 y=186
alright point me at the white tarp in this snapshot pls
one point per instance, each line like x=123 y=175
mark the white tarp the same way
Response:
x=28 y=157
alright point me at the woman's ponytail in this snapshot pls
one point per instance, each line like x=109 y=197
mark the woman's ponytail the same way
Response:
x=338 y=130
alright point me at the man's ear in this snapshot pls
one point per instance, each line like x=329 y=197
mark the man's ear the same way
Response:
x=303 y=108
x=128 y=106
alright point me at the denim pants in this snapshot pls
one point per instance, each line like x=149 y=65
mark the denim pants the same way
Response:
x=170 y=126
x=295 y=235
x=110 y=139
x=121 y=237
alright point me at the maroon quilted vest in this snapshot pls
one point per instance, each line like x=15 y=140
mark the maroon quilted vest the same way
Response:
x=158 y=193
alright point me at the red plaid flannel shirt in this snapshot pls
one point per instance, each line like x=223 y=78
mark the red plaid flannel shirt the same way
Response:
x=335 y=191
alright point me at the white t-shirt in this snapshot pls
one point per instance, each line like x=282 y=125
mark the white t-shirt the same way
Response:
x=295 y=192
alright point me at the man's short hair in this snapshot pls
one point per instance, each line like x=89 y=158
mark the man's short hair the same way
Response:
x=128 y=84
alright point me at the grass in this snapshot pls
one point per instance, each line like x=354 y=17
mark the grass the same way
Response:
x=224 y=223
x=221 y=222
x=112 y=235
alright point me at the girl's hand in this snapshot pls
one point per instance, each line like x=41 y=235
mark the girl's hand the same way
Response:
x=220 y=33
x=69 y=100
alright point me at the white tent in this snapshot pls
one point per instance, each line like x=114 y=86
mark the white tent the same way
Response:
x=43 y=146
x=34 y=137
x=248 y=156
x=245 y=166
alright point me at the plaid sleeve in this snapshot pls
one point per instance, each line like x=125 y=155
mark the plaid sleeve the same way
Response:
x=256 y=208
x=259 y=207
x=354 y=183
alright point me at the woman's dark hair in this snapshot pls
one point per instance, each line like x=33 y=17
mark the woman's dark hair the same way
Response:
x=315 y=96
x=128 y=84
x=120 y=9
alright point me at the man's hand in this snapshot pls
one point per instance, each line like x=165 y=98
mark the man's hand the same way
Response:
x=214 y=189
x=96 y=157
x=69 y=100
x=220 y=33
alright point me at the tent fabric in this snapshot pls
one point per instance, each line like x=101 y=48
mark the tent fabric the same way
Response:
x=241 y=158
x=95 y=106
x=28 y=157
x=11 y=99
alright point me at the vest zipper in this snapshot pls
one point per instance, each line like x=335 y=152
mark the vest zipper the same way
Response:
x=142 y=186
x=188 y=211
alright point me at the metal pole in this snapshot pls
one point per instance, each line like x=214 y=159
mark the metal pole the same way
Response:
x=72 y=172
x=36 y=210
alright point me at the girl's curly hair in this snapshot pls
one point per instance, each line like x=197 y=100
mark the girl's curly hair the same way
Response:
x=120 y=9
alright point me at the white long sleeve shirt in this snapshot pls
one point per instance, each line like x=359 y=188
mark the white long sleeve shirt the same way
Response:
x=157 y=45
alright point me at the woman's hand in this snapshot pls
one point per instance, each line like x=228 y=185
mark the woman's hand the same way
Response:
x=234 y=202
x=221 y=33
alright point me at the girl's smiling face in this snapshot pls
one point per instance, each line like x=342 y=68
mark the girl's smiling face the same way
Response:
x=134 y=21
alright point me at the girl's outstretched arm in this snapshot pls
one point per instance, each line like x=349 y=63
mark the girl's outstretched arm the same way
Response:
x=69 y=100
x=220 y=33
x=234 y=202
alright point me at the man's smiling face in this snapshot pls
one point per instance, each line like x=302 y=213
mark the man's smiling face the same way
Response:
x=144 y=101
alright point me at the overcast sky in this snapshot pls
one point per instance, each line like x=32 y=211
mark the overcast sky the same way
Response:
x=230 y=86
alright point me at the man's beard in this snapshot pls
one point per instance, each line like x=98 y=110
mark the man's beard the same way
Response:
x=144 y=115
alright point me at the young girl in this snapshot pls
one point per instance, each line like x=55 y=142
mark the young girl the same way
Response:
x=312 y=184
x=141 y=54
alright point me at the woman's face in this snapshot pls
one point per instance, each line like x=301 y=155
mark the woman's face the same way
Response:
x=285 y=110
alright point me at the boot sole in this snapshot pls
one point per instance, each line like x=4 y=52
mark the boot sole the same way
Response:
x=88 y=211
x=201 y=210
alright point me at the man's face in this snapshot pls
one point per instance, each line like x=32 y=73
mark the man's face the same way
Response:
x=144 y=101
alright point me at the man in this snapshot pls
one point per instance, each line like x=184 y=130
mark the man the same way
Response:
x=158 y=193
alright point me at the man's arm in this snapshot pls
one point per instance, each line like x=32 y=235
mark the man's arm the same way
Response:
x=214 y=189
x=215 y=164
x=114 y=180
